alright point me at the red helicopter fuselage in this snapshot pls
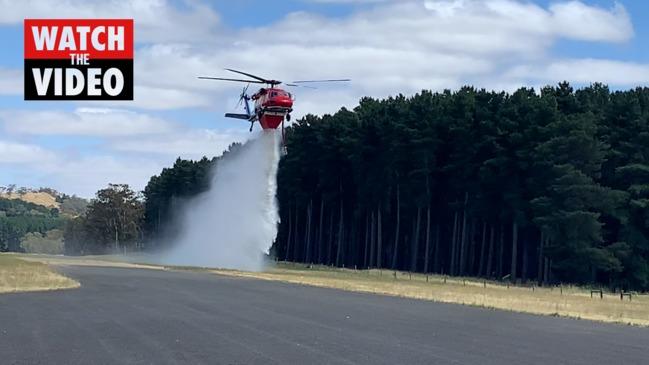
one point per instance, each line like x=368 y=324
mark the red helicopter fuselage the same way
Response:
x=272 y=105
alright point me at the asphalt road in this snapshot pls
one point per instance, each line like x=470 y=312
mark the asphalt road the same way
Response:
x=131 y=316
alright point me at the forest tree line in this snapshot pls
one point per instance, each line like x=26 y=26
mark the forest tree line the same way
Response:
x=547 y=186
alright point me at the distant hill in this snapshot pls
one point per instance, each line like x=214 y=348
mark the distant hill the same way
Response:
x=49 y=198
x=33 y=224
x=39 y=198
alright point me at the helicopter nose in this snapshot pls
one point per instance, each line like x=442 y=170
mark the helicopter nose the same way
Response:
x=284 y=102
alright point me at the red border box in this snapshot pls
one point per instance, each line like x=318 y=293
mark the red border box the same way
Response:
x=32 y=53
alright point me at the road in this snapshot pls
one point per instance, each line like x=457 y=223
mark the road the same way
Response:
x=138 y=316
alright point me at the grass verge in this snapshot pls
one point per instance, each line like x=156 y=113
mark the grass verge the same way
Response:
x=573 y=302
x=18 y=275
x=95 y=260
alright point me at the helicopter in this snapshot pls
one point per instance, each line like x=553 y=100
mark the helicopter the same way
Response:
x=272 y=105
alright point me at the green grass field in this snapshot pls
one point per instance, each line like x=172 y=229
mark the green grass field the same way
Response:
x=18 y=275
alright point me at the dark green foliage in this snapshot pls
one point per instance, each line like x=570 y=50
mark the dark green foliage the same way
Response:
x=18 y=208
x=561 y=177
x=72 y=205
x=112 y=223
x=550 y=186
x=17 y=218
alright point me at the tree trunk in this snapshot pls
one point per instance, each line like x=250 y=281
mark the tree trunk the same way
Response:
x=490 y=255
x=415 y=243
x=427 y=255
x=398 y=227
x=116 y=234
x=379 y=255
x=472 y=249
x=483 y=248
x=463 y=244
x=290 y=228
x=320 y=229
x=546 y=268
x=525 y=258
x=514 y=251
x=340 y=234
x=540 y=262
x=454 y=245
x=309 y=214
x=411 y=242
x=296 y=226
x=331 y=237
x=501 y=260
x=372 y=240
x=437 y=255
x=349 y=242
x=367 y=239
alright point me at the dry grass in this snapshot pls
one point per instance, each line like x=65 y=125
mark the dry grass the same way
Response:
x=566 y=302
x=17 y=275
x=98 y=261
x=41 y=198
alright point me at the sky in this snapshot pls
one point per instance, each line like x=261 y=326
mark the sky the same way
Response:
x=386 y=47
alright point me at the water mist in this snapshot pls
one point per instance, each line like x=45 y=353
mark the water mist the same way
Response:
x=234 y=223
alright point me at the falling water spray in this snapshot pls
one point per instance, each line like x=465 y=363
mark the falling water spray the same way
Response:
x=234 y=223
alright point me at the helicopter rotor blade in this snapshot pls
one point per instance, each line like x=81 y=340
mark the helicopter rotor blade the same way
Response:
x=225 y=79
x=304 y=86
x=313 y=81
x=253 y=76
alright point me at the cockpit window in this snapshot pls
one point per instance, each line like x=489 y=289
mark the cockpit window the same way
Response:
x=273 y=94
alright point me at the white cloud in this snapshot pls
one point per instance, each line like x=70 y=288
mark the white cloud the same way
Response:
x=155 y=20
x=392 y=47
x=386 y=48
x=585 y=71
x=132 y=161
x=31 y=165
x=577 y=20
x=347 y=1
x=86 y=175
x=19 y=153
x=160 y=98
x=83 y=122
x=191 y=144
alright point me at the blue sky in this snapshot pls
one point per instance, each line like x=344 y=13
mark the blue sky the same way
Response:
x=386 y=47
